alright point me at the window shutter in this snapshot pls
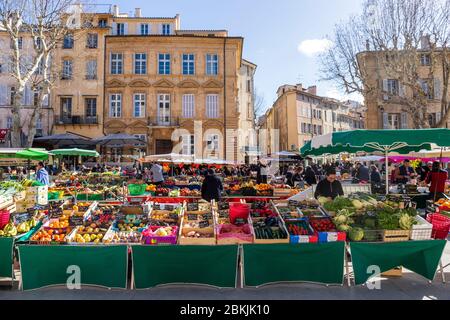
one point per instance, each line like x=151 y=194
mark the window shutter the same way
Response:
x=114 y=29
x=125 y=28
x=385 y=120
x=438 y=117
x=401 y=90
x=437 y=89
x=4 y=95
x=160 y=28
x=403 y=121
x=385 y=89
x=45 y=101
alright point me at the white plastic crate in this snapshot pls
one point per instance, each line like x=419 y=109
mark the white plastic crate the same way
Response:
x=422 y=230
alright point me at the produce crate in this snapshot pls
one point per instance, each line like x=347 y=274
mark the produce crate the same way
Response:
x=153 y=239
x=311 y=237
x=136 y=189
x=235 y=236
x=281 y=192
x=422 y=230
x=260 y=234
x=4 y=218
x=396 y=235
x=441 y=225
x=207 y=233
x=327 y=236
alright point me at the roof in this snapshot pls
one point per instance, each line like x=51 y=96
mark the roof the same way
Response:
x=248 y=62
x=146 y=18
x=202 y=30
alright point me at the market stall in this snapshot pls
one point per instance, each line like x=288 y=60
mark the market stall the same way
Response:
x=6 y=260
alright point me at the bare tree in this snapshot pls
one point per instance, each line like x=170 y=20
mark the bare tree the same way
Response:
x=258 y=104
x=45 y=22
x=391 y=39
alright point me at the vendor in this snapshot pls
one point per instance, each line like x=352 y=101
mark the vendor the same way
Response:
x=212 y=187
x=437 y=178
x=156 y=172
x=329 y=187
x=404 y=173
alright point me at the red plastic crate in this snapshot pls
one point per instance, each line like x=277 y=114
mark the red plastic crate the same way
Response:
x=441 y=225
x=4 y=218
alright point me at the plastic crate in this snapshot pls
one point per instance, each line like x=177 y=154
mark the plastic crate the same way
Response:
x=152 y=239
x=5 y=215
x=441 y=225
x=137 y=189
x=423 y=230
x=327 y=236
x=297 y=239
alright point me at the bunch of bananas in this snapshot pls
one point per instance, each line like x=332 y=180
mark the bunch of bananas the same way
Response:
x=9 y=230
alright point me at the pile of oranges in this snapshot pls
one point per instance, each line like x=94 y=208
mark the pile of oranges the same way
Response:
x=61 y=224
x=48 y=235
x=263 y=187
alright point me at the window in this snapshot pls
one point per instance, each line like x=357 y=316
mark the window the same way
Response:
x=212 y=64
x=19 y=43
x=394 y=121
x=9 y=123
x=91 y=107
x=145 y=29
x=91 y=70
x=424 y=84
x=35 y=98
x=139 y=105
x=140 y=63
x=212 y=142
x=38 y=123
x=166 y=29
x=188 y=106
x=163 y=109
x=67 y=70
x=392 y=87
x=40 y=68
x=92 y=40
x=425 y=59
x=38 y=43
x=102 y=23
x=120 y=29
x=164 y=63
x=12 y=94
x=188 y=64
x=66 y=108
x=188 y=144
x=212 y=108
x=115 y=105
x=68 y=41
x=116 y=63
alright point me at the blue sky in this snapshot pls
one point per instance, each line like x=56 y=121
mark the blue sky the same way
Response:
x=273 y=31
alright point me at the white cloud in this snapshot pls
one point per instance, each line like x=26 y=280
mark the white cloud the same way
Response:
x=313 y=47
x=342 y=96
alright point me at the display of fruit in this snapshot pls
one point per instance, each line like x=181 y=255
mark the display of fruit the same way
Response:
x=150 y=188
x=130 y=226
x=322 y=224
x=58 y=224
x=230 y=228
x=263 y=187
x=197 y=235
x=160 y=232
x=48 y=236
x=174 y=193
x=125 y=237
x=162 y=191
x=299 y=228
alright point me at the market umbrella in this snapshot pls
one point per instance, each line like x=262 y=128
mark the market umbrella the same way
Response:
x=75 y=152
x=386 y=141
x=33 y=154
x=65 y=139
x=119 y=139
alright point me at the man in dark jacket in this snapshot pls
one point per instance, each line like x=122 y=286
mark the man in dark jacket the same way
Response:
x=212 y=186
x=329 y=187
x=310 y=176
x=362 y=173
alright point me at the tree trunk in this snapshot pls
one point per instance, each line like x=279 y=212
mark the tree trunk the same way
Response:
x=16 y=132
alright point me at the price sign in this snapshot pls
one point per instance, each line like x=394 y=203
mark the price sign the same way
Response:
x=203 y=224
x=207 y=216
x=239 y=221
x=224 y=205
x=76 y=221
x=173 y=216
x=192 y=206
x=157 y=206
x=21 y=217
x=192 y=217
x=223 y=214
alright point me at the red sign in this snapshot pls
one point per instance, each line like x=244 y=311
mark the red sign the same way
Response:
x=3 y=133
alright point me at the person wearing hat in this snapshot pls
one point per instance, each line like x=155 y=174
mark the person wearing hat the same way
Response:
x=404 y=173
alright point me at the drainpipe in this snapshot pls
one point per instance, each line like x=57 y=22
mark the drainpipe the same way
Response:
x=104 y=89
x=224 y=100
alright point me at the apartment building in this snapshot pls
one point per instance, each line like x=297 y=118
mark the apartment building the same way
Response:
x=299 y=114
x=386 y=102
x=186 y=91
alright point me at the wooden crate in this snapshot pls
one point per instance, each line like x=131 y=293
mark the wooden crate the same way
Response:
x=197 y=241
x=396 y=235
x=397 y=272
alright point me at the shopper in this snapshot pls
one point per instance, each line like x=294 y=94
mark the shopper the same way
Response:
x=310 y=176
x=362 y=173
x=329 y=187
x=42 y=174
x=436 y=178
x=212 y=187
x=261 y=173
x=404 y=173
x=375 y=176
x=156 y=172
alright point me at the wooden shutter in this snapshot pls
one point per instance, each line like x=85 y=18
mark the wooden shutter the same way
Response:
x=385 y=89
x=437 y=89
x=438 y=117
x=114 y=29
x=385 y=120
x=125 y=28
x=403 y=121
x=4 y=99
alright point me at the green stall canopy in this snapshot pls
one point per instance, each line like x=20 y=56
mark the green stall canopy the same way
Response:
x=6 y=257
x=104 y=266
x=421 y=257
x=75 y=152
x=309 y=262
x=209 y=265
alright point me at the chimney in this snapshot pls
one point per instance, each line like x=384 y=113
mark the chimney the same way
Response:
x=299 y=87
x=138 y=13
x=425 y=42
x=312 y=90
x=115 y=10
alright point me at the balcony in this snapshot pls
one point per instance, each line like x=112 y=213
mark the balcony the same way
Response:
x=161 y=121
x=81 y=120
